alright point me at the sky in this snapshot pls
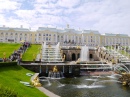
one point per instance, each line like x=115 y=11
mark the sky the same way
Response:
x=106 y=16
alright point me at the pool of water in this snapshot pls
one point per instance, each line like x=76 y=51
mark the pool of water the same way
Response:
x=87 y=86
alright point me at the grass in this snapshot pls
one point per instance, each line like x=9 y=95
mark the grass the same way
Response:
x=11 y=76
x=8 y=48
x=123 y=52
x=7 y=92
x=31 y=53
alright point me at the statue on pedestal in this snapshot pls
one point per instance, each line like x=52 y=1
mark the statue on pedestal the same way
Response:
x=55 y=69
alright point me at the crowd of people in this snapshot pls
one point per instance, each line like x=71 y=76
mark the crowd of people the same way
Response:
x=17 y=54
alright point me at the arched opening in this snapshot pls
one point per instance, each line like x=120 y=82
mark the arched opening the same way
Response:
x=91 y=56
x=101 y=55
x=73 y=57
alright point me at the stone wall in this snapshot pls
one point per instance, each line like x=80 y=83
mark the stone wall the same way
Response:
x=73 y=54
x=44 y=69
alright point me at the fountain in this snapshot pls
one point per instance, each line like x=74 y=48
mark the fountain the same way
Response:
x=81 y=87
x=121 y=68
x=84 y=53
x=43 y=78
x=86 y=86
x=51 y=53
x=55 y=74
x=125 y=79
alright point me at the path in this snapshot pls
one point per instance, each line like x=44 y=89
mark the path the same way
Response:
x=42 y=89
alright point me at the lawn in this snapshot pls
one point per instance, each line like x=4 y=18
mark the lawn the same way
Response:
x=31 y=53
x=8 y=48
x=11 y=76
x=123 y=52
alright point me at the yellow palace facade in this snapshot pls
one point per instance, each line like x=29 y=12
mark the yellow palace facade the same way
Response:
x=66 y=36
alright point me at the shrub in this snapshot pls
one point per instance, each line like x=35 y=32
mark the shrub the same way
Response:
x=4 y=64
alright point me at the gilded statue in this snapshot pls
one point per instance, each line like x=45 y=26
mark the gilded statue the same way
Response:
x=55 y=69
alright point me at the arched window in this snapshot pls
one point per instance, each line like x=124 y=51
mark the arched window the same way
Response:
x=73 y=57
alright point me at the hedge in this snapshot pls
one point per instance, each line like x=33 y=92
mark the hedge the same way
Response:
x=4 y=64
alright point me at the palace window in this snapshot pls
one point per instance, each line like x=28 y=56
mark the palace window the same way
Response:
x=46 y=38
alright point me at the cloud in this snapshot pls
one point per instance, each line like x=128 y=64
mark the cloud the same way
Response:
x=68 y=3
x=9 y=5
x=102 y=15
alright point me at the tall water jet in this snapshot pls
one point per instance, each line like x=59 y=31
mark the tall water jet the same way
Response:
x=84 y=56
x=82 y=39
x=43 y=47
x=55 y=74
x=57 y=49
x=120 y=68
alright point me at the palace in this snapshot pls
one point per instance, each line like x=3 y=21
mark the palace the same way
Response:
x=66 y=36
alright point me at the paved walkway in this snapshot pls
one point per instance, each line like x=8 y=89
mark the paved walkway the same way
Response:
x=42 y=89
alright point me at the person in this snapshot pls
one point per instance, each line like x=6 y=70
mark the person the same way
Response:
x=4 y=59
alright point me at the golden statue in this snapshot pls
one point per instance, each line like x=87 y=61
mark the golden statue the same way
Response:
x=64 y=56
x=36 y=82
x=21 y=55
x=55 y=69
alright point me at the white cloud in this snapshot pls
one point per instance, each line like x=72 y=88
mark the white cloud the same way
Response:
x=26 y=14
x=9 y=5
x=103 y=15
x=68 y=3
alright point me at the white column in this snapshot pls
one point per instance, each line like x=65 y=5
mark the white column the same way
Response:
x=3 y=37
x=74 y=38
x=99 y=39
x=64 y=37
x=56 y=37
x=67 y=38
x=37 y=37
x=42 y=37
x=95 y=40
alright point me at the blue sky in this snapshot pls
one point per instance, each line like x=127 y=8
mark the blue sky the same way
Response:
x=106 y=16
